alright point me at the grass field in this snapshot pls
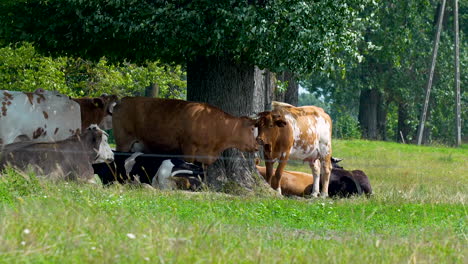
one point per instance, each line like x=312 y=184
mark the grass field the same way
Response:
x=417 y=215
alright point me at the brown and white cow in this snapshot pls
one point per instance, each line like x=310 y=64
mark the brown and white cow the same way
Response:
x=66 y=159
x=198 y=131
x=301 y=133
x=97 y=110
x=41 y=116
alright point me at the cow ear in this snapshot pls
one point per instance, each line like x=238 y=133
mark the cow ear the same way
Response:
x=278 y=120
x=280 y=123
x=336 y=160
x=98 y=102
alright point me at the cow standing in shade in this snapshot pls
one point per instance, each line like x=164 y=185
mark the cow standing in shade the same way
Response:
x=97 y=110
x=198 y=131
x=302 y=133
x=66 y=159
x=41 y=116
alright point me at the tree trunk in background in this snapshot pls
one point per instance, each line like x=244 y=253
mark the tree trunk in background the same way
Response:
x=270 y=87
x=373 y=115
x=239 y=90
x=291 y=95
x=382 y=119
x=403 y=125
x=368 y=103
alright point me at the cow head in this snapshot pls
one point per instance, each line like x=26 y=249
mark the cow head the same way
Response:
x=335 y=162
x=97 y=138
x=269 y=124
x=106 y=102
x=246 y=135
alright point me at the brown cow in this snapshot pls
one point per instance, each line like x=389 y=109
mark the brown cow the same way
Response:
x=302 y=133
x=97 y=110
x=67 y=159
x=198 y=131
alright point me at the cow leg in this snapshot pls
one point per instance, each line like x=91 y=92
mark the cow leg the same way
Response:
x=205 y=172
x=124 y=145
x=276 y=182
x=325 y=175
x=315 y=166
x=269 y=171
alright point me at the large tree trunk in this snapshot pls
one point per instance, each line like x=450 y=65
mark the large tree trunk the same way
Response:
x=291 y=95
x=238 y=89
x=368 y=102
x=372 y=114
x=270 y=87
x=382 y=119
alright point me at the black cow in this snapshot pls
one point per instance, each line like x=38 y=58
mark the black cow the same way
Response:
x=349 y=182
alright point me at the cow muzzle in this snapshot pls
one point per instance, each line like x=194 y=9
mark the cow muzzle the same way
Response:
x=260 y=141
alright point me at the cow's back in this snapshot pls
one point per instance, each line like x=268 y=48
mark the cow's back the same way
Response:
x=161 y=125
x=40 y=117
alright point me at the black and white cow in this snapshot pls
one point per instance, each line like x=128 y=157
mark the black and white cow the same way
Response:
x=158 y=170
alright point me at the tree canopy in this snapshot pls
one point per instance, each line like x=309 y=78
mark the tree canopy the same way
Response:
x=294 y=35
x=397 y=69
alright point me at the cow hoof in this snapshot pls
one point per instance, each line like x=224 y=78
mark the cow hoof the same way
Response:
x=315 y=194
x=324 y=195
x=279 y=190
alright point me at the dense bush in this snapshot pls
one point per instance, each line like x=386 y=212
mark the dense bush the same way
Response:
x=24 y=69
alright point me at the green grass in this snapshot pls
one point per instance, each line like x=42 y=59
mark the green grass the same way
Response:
x=417 y=215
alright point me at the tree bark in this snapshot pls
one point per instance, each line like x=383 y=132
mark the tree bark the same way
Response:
x=238 y=89
x=403 y=125
x=382 y=118
x=270 y=87
x=291 y=95
x=368 y=102
x=373 y=115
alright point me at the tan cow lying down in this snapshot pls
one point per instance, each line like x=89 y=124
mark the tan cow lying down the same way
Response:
x=301 y=133
x=67 y=159
x=198 y=131
x=343 y=183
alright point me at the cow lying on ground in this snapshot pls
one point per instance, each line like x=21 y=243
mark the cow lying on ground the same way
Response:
x=302 y=133
x=97 y=110
x=343 y=183
x=178 y=174
x=358 y=175
x=197 y=131
x=142 y=168
x=69 y=159
x=41 y=116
